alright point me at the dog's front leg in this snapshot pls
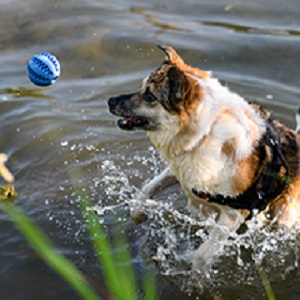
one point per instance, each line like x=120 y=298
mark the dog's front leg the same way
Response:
x=153 y=187
x=229 y=221
x=158 y=183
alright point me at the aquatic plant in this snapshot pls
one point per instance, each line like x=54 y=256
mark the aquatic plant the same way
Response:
x=44 y=247
x=118 y=272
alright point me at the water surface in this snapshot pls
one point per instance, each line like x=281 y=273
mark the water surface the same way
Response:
x=106 y=48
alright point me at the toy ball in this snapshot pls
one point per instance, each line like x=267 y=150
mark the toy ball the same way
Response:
x=43 y=69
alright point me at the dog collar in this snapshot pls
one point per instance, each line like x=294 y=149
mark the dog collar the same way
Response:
x=269 y=183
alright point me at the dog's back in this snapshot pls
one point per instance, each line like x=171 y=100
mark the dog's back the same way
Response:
x=289 y=202
x=282 y=150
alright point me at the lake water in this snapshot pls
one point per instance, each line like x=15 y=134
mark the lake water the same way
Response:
x=106 y=48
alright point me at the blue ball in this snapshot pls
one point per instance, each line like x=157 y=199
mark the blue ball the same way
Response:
x=43 y=69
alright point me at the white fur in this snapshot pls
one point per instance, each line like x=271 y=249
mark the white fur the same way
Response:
x=201 y=164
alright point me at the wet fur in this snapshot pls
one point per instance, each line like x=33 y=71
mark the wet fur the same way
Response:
x=211 y=139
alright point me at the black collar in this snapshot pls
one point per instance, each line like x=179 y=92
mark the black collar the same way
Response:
x=269 y=183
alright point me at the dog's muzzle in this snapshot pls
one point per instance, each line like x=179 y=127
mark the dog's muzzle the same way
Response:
x=119 y=106
x=113 y=103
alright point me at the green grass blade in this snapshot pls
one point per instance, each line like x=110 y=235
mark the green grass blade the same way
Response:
x=101 y=245
x=103 y=251
x=126 y=271
x=118 y=272
x=44 y=247
x=149 y=288
x=266 y=284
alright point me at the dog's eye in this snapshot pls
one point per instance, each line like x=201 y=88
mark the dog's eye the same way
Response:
x=149 y=96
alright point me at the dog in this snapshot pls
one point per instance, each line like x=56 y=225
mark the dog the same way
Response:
x=230 y=156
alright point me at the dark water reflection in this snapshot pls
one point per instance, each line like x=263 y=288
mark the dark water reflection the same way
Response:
x=105 y=48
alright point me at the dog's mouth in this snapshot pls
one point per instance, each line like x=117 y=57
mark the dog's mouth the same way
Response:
x=129 y=123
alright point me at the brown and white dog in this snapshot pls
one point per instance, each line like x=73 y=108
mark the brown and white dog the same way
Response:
x=229 y=156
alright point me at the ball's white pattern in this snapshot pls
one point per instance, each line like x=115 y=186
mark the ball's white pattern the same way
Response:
x=43 y=69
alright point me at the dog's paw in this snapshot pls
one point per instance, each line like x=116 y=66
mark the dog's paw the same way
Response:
x=199 y=265
x=139 y=217
x=204 y=257
x=141 y=197
x=138 y=211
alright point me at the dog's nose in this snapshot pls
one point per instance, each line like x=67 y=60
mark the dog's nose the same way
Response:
x=113 y=101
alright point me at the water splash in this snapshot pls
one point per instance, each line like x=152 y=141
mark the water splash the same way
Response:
x=172 y=237
x=171 y=234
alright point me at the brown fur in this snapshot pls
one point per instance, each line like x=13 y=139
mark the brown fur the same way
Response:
x=286 y=206
x=246 y=174
x=174 y=59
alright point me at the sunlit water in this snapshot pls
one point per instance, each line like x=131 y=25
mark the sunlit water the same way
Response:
x=106 y=48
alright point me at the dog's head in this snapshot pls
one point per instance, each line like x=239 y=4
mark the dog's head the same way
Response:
x=171 y=93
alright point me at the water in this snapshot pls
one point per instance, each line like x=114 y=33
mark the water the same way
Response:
x=106 y=48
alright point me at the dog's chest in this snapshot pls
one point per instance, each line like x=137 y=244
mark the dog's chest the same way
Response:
x=206 y=170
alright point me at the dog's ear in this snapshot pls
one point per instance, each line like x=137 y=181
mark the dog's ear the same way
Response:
x=172 y=57
x=177 y=81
